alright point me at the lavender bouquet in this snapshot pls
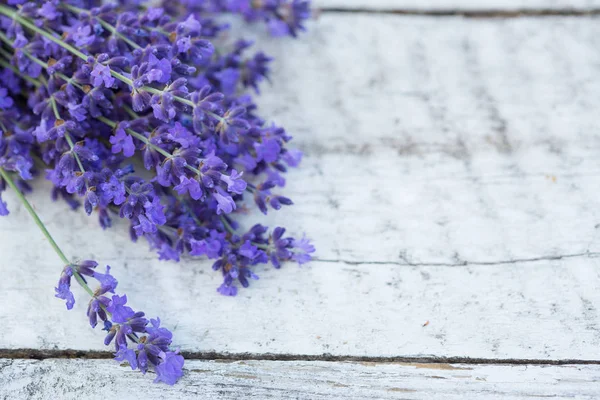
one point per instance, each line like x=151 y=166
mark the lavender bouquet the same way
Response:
x=129 y=109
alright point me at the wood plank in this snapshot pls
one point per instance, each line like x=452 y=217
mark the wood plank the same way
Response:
x=361 y=310
x=451 y=177
x=99 y=379
x=457 y=5
x=439 y=139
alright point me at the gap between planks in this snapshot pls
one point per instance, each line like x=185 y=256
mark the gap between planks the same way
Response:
x=37 y=354
x=464 y=263
x=482 y=14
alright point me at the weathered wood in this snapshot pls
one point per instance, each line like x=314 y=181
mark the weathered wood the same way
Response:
x=101 y=379
x=458 y=5
x=451 y=176
x=504 y=311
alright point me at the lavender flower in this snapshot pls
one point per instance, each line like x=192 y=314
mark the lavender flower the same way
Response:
x=169 y=370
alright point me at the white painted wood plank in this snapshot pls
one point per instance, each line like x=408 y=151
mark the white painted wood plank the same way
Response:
x=451 y=177
x=363 y=310
x=458 y=5
x=101 y=379
x=459 y=126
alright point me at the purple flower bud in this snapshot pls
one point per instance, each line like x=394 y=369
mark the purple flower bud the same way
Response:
x=101 y=75
x=170 y=368
x=120 y=312
x=209 y=247
x=225 y=202
x=159 y=70
x=107 y=282
x=191 y=186
x=227 y=290
x=235 y=183
x=121 y=141
x=126 y=354
x=63 y=291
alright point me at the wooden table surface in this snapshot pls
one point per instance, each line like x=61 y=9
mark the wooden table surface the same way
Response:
x=451 y=186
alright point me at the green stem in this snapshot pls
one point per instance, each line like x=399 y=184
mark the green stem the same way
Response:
x=261 y=246
x=129 y=111
x=84 y=285
x=72 y=146
x=187 y=208
x=9 y=12
x=34 y=215
x=42 y=227
x=227 y=225
x=55 y=108
x=67 y=136
x=144 y=139
x=230 y=229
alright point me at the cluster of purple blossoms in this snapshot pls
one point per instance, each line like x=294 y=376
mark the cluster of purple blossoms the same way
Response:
x=141 y=345
x=92 y=91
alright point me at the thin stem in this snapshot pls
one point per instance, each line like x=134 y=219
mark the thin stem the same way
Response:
x=67 y=136
x=144 y=139
x=72 y=146
x=42 y=227
x=230 y=229
x=33 y=214
x=160 y=92
x=133 y=133
x=84 y=285
x=227 y=225
x=188 y=208
x=9 y=12
x=129 y=111
x=6 y=40
x=55 y=108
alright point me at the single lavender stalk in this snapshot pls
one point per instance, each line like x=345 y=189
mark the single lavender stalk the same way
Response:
x=120 y=321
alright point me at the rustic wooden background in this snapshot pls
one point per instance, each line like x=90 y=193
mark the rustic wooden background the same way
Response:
x=451 y=186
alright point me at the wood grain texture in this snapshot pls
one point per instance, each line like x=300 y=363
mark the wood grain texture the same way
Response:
x=451 y=176
x=457 y=5
x=95 y=379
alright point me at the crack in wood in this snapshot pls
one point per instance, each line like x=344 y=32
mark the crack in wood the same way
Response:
x=482 y=13
x=419 y=361
x=463 y=263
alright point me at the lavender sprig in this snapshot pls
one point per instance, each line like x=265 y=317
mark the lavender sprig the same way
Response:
x=150 y=344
